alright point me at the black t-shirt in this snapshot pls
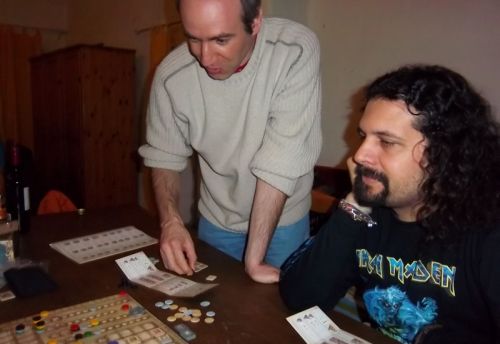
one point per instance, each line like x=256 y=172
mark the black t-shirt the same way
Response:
x=451 y=292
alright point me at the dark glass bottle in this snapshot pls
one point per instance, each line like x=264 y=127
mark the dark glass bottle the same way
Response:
x=16 y=188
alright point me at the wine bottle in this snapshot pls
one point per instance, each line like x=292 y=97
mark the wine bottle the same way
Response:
x=16 y=188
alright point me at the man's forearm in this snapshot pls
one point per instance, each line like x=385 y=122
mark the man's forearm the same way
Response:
x=176 y=246
x=267 y=207
x=166 y=184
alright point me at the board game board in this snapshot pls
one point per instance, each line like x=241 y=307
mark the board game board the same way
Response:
x=111 y=320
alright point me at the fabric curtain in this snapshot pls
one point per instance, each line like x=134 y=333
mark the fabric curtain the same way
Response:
x=16 y=48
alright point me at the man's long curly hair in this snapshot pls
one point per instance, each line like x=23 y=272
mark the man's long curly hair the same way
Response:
x=460 y=189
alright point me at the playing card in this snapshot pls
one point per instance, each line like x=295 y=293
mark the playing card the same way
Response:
x=315 y=327
x=198 y=266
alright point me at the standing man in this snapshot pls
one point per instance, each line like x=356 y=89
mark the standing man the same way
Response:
x=420 y=233
x=244 y=93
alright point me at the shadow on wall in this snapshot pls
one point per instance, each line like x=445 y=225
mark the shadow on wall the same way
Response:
x=351 y=136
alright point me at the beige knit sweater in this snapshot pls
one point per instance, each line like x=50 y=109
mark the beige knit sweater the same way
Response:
x=263 y=122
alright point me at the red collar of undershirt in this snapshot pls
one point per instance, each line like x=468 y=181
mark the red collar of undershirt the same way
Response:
x=243 y=65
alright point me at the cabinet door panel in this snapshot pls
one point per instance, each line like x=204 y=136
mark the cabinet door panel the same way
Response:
x=85 y=134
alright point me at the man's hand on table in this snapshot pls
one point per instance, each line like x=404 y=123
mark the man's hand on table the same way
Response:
x=177 y=247
x=263 y=273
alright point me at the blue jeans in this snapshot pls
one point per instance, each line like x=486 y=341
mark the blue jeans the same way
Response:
x=285 y=240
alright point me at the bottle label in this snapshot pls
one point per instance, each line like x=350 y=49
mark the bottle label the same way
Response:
x=26 y=192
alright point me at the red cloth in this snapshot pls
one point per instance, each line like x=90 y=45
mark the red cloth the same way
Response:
x=55 y=202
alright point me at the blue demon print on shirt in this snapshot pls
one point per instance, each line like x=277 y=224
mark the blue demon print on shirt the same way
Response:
x=396 y=315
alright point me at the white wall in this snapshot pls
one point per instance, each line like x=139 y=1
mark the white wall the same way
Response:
x=361 y=39
x=51 y=16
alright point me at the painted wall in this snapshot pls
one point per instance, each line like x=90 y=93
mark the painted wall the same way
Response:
x=363 y=39
x=51 y=16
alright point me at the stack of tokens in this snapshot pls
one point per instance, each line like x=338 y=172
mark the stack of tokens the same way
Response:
x=187 y=314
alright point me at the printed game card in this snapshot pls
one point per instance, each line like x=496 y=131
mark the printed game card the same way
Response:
x=315 y=327
x=198 y=266
x=139 y=269
x=104 y=244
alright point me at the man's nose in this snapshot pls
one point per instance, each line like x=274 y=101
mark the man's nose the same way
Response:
x=365 y=155
x=206 y=55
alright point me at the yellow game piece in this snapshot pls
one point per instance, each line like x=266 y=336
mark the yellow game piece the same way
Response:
x=209 y=320
x=44 y=314
x=39 y=325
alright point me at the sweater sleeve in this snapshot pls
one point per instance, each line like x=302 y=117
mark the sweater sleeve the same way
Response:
x=321 y=272
x=292 y=140
x=167 y=141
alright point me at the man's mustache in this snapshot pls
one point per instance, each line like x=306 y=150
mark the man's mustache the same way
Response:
x=363 y=171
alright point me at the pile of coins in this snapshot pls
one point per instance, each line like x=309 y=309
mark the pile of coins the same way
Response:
x=187 y=314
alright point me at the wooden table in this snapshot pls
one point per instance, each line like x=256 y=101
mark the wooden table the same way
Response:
x=246 y=312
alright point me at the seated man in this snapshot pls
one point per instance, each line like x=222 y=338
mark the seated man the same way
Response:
x=420 y=232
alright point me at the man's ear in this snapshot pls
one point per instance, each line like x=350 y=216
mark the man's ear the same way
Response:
x=419 y=153
x=257 y=22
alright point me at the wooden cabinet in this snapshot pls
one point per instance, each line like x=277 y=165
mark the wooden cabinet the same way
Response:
x=84 y=129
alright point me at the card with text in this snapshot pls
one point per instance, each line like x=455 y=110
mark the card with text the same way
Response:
x=92 y=247
x=139 y=269
x=315 y=327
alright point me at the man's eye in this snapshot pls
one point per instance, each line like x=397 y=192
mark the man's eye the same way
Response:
x=386 y=143
x=221 y=41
